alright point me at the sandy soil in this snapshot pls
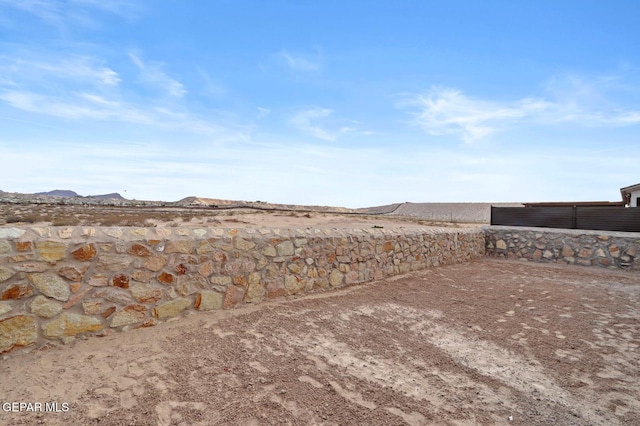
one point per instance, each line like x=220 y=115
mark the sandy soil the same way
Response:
x=72 y=215
x=487 y=342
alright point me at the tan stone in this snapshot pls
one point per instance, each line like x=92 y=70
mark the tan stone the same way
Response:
x=208 y=300
x=91 y=308
x=185 y=247
x=65 y=232
x=51 y=251
x=585 y=253
x=240 y=280
x=293 y=284
x=113 y=232
x=22 y=258
x=242 y=244
x=142 y=276
x=69 y=324
x=270 y=251
x=220 y=280
x=206 y=269
x=129 y=315
x=239 y=267
x=51 y=285
x=139 y=232
x=204 y=247
x=145 y=293
x=262 y=262
x=255 y=290
x=285 y=248
x=17 y=331
x=335 y=278
x=501 y=245
x=76 y=297
x=45 y=308
x=614 y=251
x=98 y=280
x=139 y=250
x=5 y=307
x=5 y=274
x=190 y=284
x=294 y=268
x=5 y=247
x=567 y=251
x=171 y=309
x=275 y=288
x=72 y=273
x=113 y=262
x=155 y=263
x=233 y=297
x=219 y=256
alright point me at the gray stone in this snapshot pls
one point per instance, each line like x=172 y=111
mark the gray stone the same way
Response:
x=11 y=232
x=285 y=248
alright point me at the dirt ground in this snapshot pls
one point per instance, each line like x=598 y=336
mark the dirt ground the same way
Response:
x=486 y=342
x=73 y=215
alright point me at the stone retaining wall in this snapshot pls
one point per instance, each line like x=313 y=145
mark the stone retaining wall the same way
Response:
x=57 y=283
x=568 y=246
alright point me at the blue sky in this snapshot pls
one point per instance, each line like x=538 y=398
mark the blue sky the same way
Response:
x=350 y=103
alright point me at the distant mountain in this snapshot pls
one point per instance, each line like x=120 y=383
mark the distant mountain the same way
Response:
x=59 y=193
x=65 y=193
x=112 y=196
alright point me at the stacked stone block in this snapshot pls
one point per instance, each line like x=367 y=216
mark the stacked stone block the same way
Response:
x=57 y=283
x=566 y=246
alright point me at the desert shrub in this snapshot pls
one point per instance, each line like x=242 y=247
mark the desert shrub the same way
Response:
x=65 y=221
x=13 y=219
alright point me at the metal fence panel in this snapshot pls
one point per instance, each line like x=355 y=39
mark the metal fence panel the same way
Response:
x=595 y=218
x=547 y=217
x=609 y=219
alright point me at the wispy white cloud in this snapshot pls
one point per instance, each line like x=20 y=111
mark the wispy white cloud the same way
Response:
x=316 y=122
x=50 y=11
x=263 y=112
x=80 y=106
x=72 y=68
x=300 y=62
x=152 y=73
x=304 y=121
x=62 y=13
x=85 y=88
x=447 y=111
x=124 y=8
x=210 y=87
